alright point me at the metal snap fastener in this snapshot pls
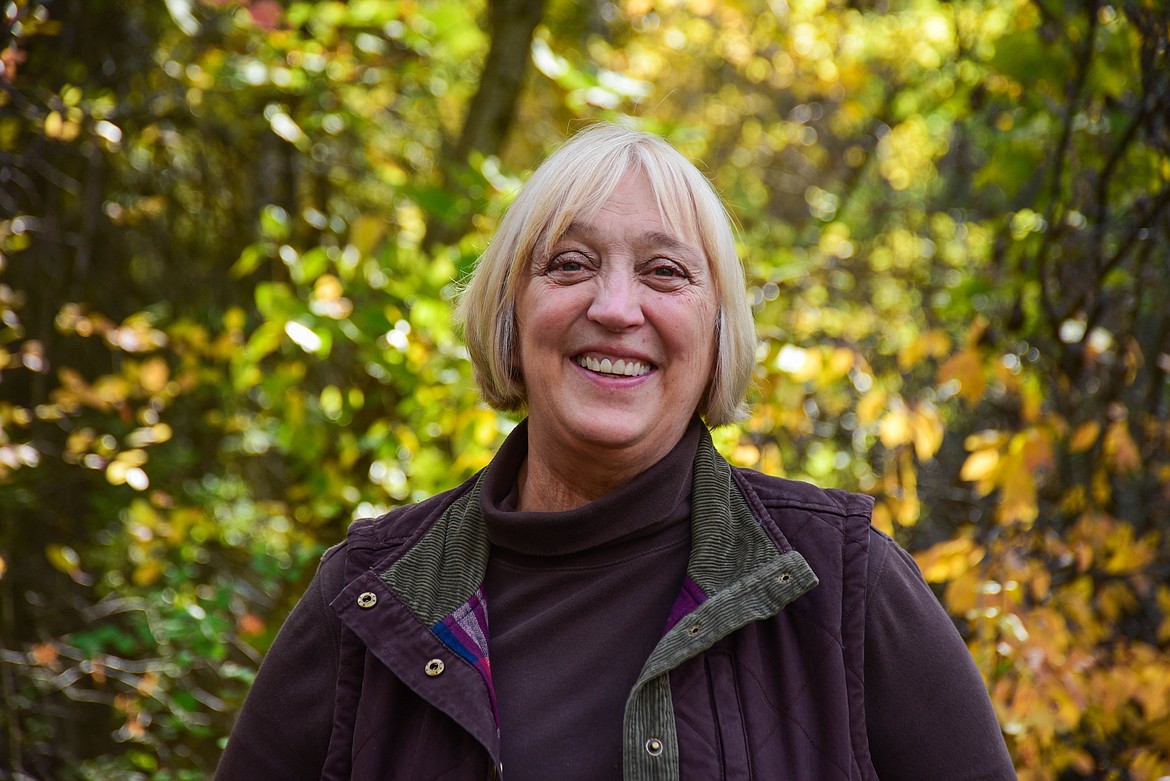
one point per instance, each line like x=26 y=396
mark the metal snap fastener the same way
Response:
x=434 y=667
x=695 y=629
x=367 y=599
x=654 y=747
x=784 y=577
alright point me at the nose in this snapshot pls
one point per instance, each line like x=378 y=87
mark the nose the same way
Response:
x=617 y=304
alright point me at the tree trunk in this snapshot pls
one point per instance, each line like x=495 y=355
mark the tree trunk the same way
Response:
x=492 y=110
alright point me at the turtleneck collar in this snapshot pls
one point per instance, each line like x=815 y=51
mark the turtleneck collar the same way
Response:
x=657 y=497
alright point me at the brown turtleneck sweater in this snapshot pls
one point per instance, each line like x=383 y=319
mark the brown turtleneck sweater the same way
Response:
x=578 y=601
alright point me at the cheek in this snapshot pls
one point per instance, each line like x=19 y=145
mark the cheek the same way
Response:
x=538 y=327
x=699 y=335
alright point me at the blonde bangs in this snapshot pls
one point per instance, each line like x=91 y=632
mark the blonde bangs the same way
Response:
x=573 y=183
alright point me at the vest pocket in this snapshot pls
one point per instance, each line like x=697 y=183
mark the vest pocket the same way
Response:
x=708 y=710
x=723 y=688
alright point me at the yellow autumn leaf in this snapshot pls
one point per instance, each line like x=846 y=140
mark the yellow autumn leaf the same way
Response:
x=839 y=363
x=1146 y=765
x=980 y=465
x=1084 y=436
x=961 y=594
x=1035 y=447
x=153 y=375
x=1039 y=583
x=1129 y=556
x=63 y=558
x=1017 y=502
x=966 y=366
x=928 y=431
x=895 y=428
x=907 y=508
x=78 y=441
x=365 y=232
x=1082 y=761
x=1120 y=448
x=988 y=438
x=932 y=343
x=54 y=124
x=1114 y=600
x=948 y=560
x=484 y=428
x=883 y=520
x=1032 y=398
x=745 y=454
x=116 y=472
x=870 y=406
x=148 y=572
x=912 y=354
x=327 y=288
x=802 y=364
x=133 y=457
x=75 y=391
x=234 y=319
x=1164 y=605
x=113 y=390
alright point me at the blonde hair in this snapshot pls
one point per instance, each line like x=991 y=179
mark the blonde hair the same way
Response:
x=574 y=181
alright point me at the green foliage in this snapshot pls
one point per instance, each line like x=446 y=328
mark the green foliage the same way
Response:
x=230 y=233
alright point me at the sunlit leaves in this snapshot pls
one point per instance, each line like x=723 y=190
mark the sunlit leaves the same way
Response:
x=1012 y=464
x=954 y=255
x=950 y=560
x=907 y=152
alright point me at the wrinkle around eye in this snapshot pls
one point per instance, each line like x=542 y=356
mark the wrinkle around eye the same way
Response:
x=676 y=275
x=576 y=267
x=667 y=284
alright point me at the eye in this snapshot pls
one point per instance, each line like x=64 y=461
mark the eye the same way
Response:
x=663 y=274
x=569 y=266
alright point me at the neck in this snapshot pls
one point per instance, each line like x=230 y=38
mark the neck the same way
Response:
x=555 y=480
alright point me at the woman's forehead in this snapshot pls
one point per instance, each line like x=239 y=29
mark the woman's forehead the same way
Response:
x=679 y=224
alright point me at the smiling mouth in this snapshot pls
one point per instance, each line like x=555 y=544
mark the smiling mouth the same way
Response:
x=618 y=368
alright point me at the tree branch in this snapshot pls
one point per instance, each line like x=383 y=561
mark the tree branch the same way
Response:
x=511 y=24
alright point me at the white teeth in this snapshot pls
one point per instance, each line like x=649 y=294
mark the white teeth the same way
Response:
x=630 y=368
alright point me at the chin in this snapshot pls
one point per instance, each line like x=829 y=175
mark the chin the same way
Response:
x=615 y=431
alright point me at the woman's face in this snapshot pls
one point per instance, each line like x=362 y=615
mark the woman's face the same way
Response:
x=617 y=331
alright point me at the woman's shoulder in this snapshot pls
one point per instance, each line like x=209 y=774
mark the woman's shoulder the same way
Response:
x=776 y=493
x=369 y=540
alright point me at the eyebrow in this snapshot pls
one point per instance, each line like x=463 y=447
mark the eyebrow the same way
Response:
x=585 y=231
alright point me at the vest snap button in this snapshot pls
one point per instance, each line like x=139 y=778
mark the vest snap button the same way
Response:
x=434 y=667
x=654 y=747
x=784 y=577
x=367 y=599
x=695 y=629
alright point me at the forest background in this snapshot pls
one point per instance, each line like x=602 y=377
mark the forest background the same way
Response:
x=231 y=231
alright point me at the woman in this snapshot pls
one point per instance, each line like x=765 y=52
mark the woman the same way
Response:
x=654 y=612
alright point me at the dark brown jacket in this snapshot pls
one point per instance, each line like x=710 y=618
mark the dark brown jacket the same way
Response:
x=803 y=645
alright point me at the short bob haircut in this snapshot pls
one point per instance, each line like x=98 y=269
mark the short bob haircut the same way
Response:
x=576 y=180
